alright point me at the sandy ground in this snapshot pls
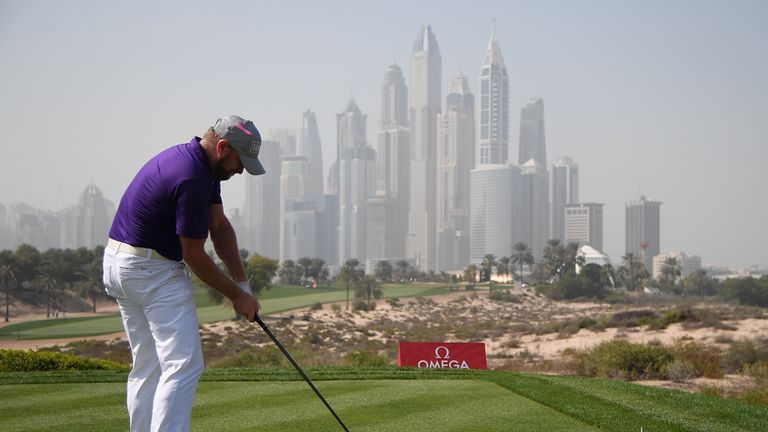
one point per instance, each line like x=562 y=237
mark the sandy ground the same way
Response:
x=534 y=308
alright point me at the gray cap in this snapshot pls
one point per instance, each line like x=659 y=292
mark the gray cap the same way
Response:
x=242 y=136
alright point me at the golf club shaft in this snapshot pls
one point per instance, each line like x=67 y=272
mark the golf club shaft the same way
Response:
x=303 y=375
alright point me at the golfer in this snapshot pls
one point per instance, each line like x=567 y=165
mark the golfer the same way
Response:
x=161 y=226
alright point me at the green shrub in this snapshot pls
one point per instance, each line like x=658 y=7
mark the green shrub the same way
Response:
x=705 y=360
x=680 y=371
x=744 y=352
x=632 y=318
x=267 y=356
x=365 y=358
x=316 y=306
x=619 y=358
x=32 y=361
x=756 y=395
x=505 y=296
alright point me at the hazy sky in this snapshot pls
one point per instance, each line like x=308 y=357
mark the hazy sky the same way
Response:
x=664 y=98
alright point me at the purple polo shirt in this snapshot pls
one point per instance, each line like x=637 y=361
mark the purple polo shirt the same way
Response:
x=171 y=196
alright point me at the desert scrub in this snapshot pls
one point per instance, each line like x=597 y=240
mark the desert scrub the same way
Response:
x=34 y=361
x=704 y=360
x=619 y=358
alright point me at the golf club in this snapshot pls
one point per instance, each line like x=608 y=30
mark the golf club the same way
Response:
x=290 y=359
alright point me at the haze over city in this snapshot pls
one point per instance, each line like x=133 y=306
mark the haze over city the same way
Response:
x=663 y=99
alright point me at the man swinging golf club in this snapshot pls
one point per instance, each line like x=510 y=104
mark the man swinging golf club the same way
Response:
x=164 y=217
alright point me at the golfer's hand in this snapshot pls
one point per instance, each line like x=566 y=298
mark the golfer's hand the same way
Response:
x=246 y=305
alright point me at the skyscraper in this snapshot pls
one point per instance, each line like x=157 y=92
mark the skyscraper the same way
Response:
x=495 y=213
x=565 y=190
x=309 y=146
x=535 y=207
x=388 y=211
x=584 y=224
x=355 y=181
x=643 y=230
x=425 y=103
x=261 y=209
x=455 y=160
x=294 y=187
x=532 y=140
x=493 y=138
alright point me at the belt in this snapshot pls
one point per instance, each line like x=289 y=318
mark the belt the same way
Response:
x=137 y=251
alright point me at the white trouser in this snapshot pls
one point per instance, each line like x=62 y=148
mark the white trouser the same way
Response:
x=158 y=307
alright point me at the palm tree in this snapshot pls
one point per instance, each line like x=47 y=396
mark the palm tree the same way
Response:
x=8 y=278
x=287 y=272
x=633 y=272
x=304 y=268
x=521 y=256
x=470 y=273
x=91 y=283
x=401 y=270
x=554 y=254
x=502 y=267
x=351 y=273
x=489 y=262
x=670 y=272
x=384 y=271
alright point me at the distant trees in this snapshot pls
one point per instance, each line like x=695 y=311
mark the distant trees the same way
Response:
x=633 y=272
x=521 y=256
x=671 y=270
x=9 y=272
x=54 y=277
x=351 y=274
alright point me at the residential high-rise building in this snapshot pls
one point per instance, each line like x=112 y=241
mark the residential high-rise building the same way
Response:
x=294 y=187
x=584 y=224
x=261 y=208
x=84 y=225
x=535 y=207
x=387 y=212
x=355 y=166
x=495 y=213
x=493 y=132
x=565 y=190
x=532 y=139
x=643 y=230
x=424 y=94
x=309 y=146
x=455 y=161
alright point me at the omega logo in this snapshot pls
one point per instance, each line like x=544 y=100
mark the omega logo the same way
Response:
x=442 y=361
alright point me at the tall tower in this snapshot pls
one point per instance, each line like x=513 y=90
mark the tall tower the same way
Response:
x=535 y=207
x=493 y=137
x=455 y=160
x=495 y=210
x=294 y=185
x=565 y=190
x=261 y=222
x=309 y=146
x=388 y=210
x=425 y=103
x=532 y=140
x=584 y=224
x=643 y=230
x=355 y=181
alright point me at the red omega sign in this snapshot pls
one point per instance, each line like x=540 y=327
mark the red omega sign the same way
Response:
x=442 y=355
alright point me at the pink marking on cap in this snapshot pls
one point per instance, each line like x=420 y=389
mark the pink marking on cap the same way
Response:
x=246 y=131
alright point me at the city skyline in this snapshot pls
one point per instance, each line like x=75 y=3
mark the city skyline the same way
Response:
x=643 y=96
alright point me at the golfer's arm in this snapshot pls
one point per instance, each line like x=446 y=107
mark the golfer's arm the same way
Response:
x=193 y=251
x=225 y=242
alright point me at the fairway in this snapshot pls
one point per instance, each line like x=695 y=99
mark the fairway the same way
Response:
x=383 y=405
x=378 y=399
x=278 y=299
